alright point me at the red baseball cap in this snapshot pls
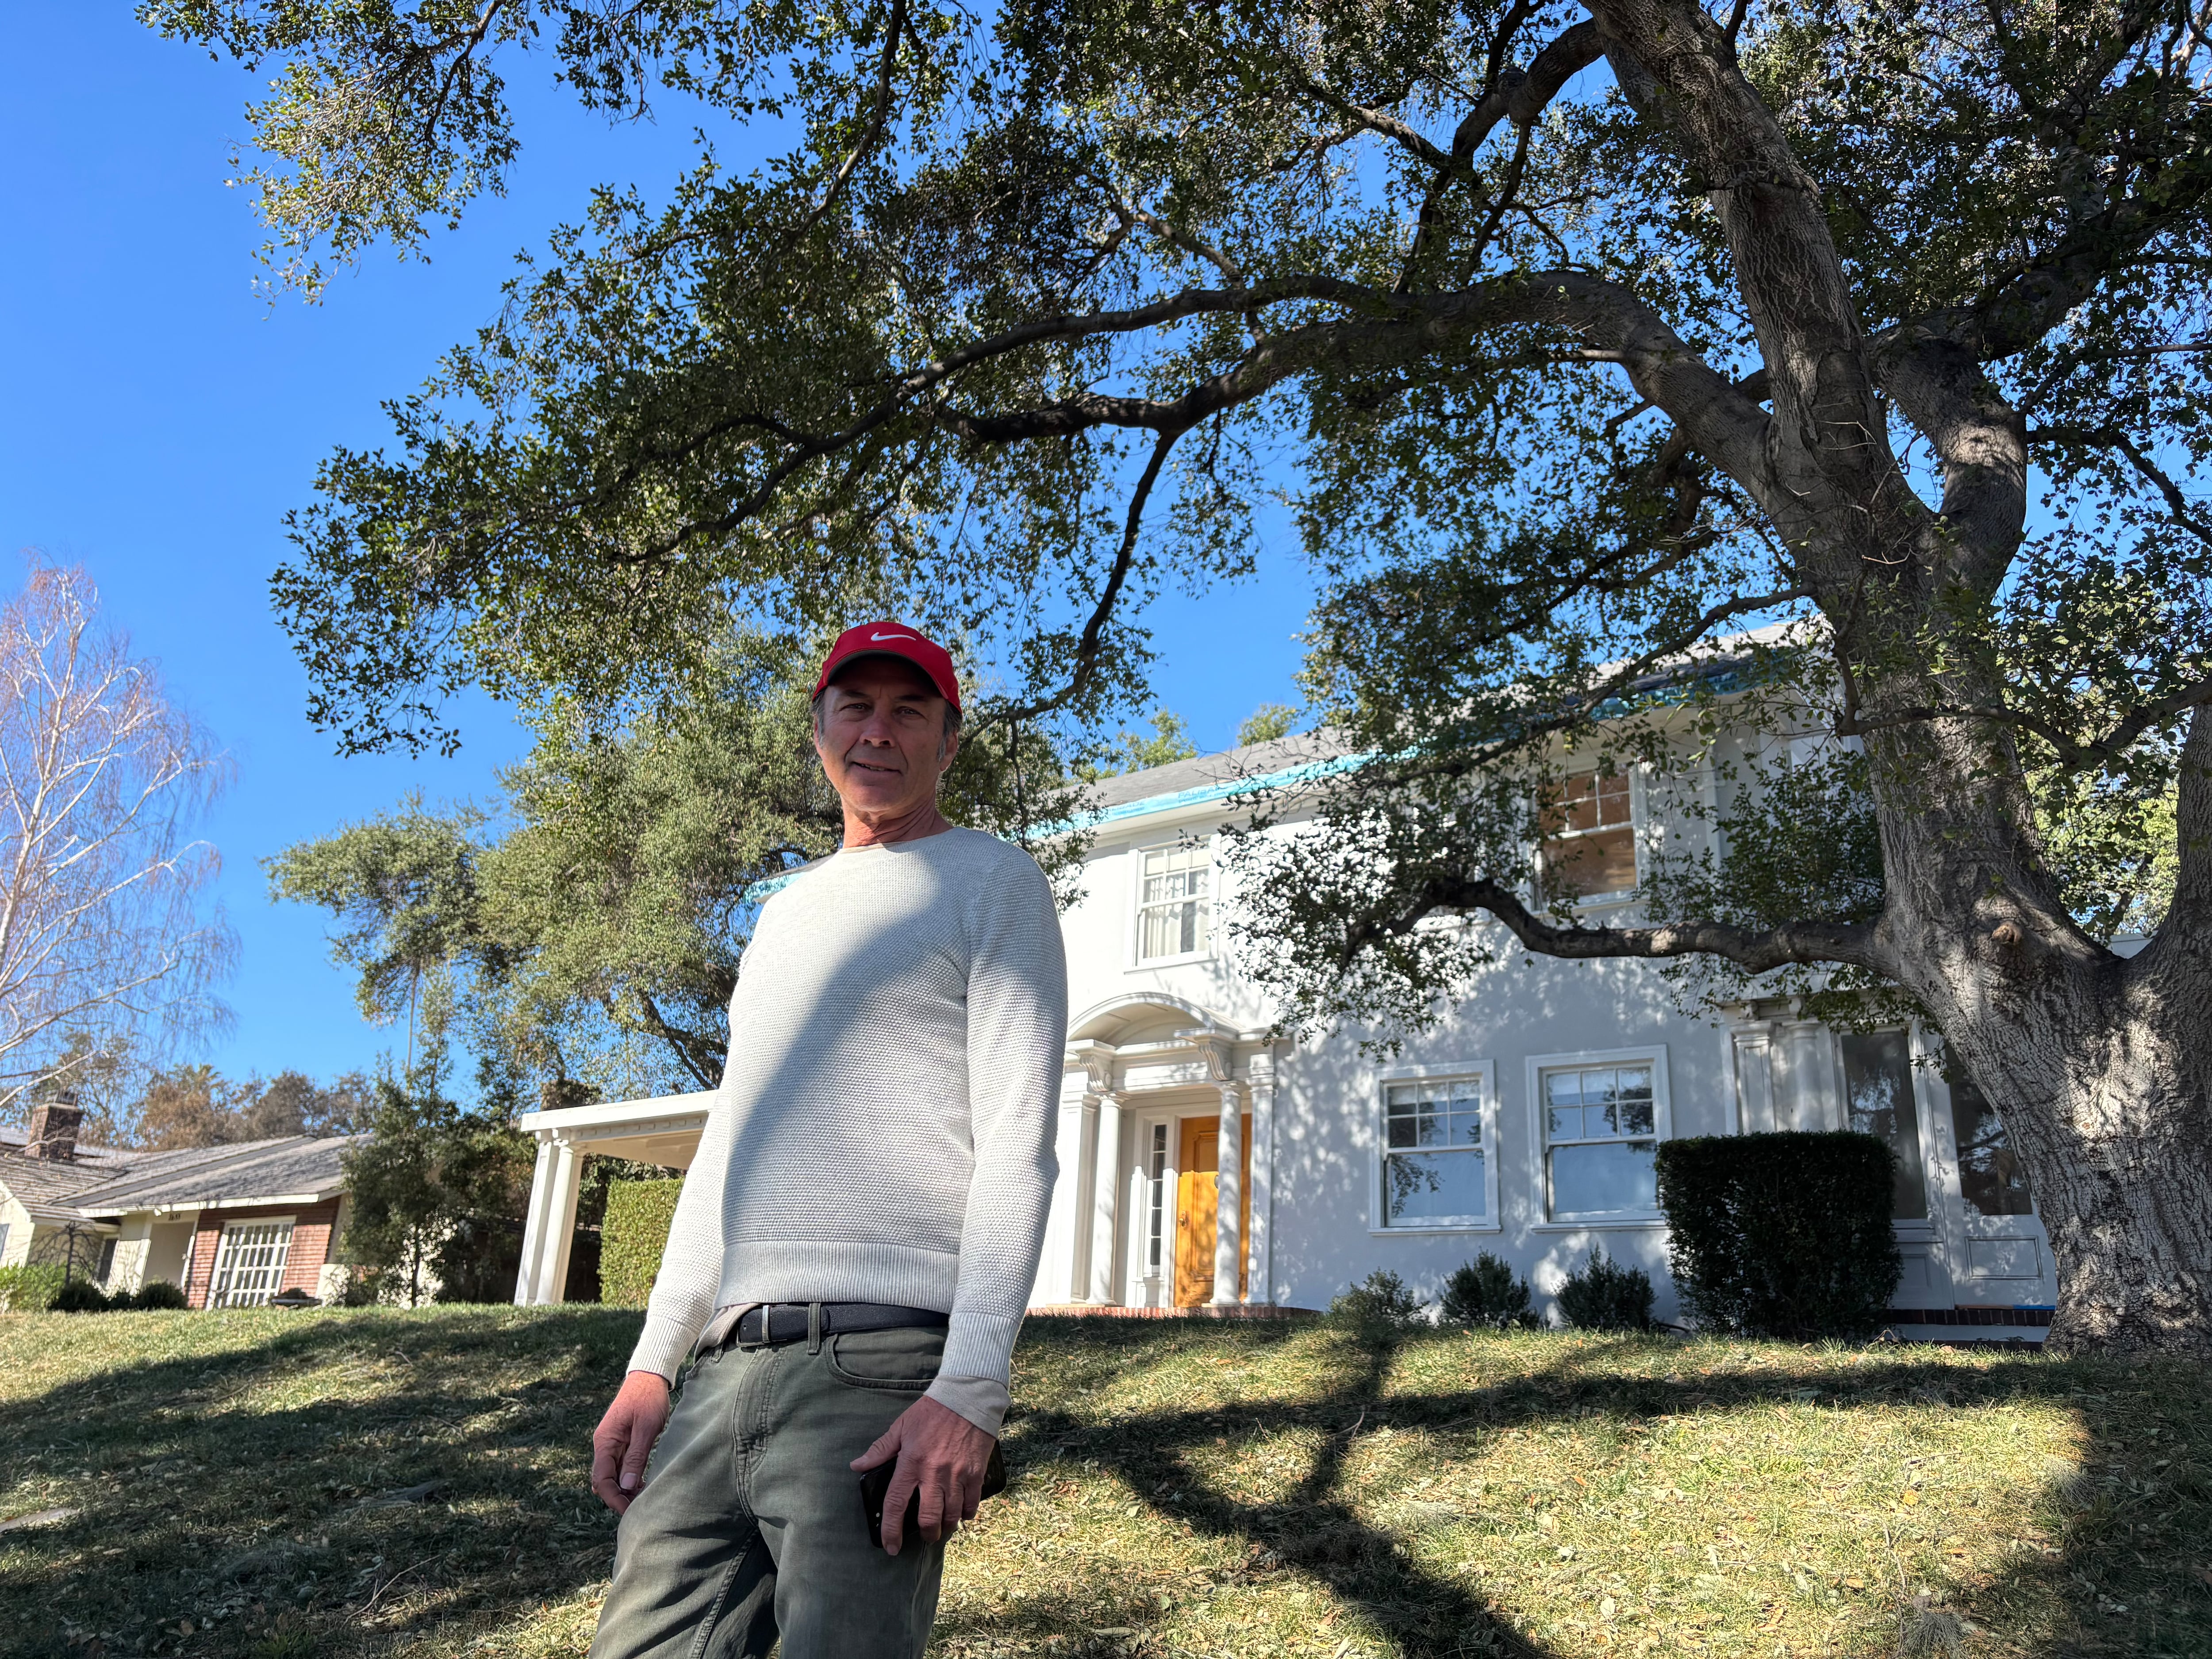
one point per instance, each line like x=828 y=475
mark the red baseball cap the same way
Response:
x=893 y=639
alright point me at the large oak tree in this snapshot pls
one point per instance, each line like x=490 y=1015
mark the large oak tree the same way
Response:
x=1636 y=373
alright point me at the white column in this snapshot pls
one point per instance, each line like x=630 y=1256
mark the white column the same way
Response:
x=1083 y=1222
x=1106 y=1190
x=1067 y=1227
x=567 y=1180
x=1229 y=1198
x=536 y=1228
x=1261 y=1249
x=1755 y=1078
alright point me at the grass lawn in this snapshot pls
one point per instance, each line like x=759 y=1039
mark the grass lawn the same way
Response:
x=373 y=1482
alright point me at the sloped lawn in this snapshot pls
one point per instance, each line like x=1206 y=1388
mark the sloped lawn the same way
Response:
x=375 y=1482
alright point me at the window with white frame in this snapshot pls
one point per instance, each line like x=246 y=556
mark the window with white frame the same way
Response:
x=1588 y=831
x=1174 y=899
x=1156 y=1200
x=1600 y=1125
x=1436 y=1167
x=249 y=1262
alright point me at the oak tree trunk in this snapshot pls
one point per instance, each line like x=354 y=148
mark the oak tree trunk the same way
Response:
x=2100 y=1063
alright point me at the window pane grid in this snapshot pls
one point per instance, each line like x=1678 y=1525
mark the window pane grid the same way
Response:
x=1601 y=1128
x=1155 y=1221
x=1589 y=843
x=1434 y=1172
x=249 y=1261
x=1173 y=902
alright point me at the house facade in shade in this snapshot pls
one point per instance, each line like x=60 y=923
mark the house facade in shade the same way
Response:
x=231 y=1226
x=1208 y=1164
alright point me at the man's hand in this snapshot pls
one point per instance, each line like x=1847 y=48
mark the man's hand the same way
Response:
x=625 y=1439
x=942 y=1453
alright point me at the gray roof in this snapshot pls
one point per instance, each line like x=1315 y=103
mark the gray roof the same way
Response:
x=48 y=1186
x=114 y=1183
x=1229 y=770
x=249 y=1172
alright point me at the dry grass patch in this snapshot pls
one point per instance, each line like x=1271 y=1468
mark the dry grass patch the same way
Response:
x=272 y=1485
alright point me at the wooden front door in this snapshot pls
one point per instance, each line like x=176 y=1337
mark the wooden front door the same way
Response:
x=1198 y=1172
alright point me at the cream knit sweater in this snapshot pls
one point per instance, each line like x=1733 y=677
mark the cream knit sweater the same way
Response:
x=885 y=1128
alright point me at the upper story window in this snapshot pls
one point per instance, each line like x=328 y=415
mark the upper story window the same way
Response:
x=1175 y=901
x=1590 y=835
x=1602 y=1124
x=1436 y=1162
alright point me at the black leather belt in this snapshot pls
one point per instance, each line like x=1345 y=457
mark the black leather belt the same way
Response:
x=774 y=1324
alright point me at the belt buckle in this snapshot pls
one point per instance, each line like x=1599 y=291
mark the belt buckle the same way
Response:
x=737 y=1330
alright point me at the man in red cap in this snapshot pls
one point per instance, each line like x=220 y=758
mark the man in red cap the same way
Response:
x=859 y=1232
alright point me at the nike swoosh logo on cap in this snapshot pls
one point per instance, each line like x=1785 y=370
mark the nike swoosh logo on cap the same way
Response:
x=896 y=636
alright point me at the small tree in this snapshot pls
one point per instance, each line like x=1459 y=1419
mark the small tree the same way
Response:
x=437 y=1197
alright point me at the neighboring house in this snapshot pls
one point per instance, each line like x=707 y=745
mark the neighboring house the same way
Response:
x=231 y=1226
x=1524 y=1124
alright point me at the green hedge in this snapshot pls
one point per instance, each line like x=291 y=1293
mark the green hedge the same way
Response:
x=632 y=1238
x=1782 y=1234
x=30 y=1289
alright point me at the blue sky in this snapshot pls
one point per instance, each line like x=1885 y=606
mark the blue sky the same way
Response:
x=158 y=416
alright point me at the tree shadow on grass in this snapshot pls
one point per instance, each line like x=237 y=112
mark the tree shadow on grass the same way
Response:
x=436 y=1485
x=2132 y=1573
x=440 y=1480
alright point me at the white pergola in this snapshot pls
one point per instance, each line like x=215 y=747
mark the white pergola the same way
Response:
x=664 y=1131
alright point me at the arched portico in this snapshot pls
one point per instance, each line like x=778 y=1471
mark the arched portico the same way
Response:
x=1139 y=1067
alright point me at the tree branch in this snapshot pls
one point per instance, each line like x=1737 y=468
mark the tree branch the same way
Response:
x=1753 y=948
x=878 y=118
x=1713 y=415
x=2118 y=737
x=2188 y=918
x=2111 y=437
x=1094 y=630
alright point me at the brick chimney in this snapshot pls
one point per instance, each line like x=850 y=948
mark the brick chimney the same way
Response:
x=54 y=1123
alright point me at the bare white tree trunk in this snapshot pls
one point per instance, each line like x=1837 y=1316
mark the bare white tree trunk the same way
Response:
x=103 y=928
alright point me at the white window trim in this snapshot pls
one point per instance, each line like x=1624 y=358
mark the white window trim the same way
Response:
x=1663 y=1130
x=1934 y=1165
x=1169 y=1128
x=1638 y=830
x=1485 y=1070
x=291 y=1223
x=1138 y=962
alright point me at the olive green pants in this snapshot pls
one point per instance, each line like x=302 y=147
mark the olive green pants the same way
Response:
x=750 y=1527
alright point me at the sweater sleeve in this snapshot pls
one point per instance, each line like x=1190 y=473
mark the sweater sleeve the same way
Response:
x=682 y=1299
x=1017 y=1033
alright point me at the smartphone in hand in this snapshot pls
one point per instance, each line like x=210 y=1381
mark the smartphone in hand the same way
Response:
x=876 y=1487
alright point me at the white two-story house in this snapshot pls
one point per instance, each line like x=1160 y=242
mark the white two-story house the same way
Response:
x=1207 y=1165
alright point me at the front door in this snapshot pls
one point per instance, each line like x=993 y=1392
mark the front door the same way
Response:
x=1962 y=1196
x=1199 y=1170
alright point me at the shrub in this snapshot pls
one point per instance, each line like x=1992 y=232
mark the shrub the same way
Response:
x=1607 y=1297
x=1378 y=1308
x=1782 y=1234
x=632 y=1238
x=30 y=1289
x=159 y=1293
x=81 y=1296
x=1485 y=1291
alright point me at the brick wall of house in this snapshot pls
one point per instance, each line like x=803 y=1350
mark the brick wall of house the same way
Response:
x=310 y=1244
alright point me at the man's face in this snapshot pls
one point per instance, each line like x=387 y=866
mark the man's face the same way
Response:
x=882 y=737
